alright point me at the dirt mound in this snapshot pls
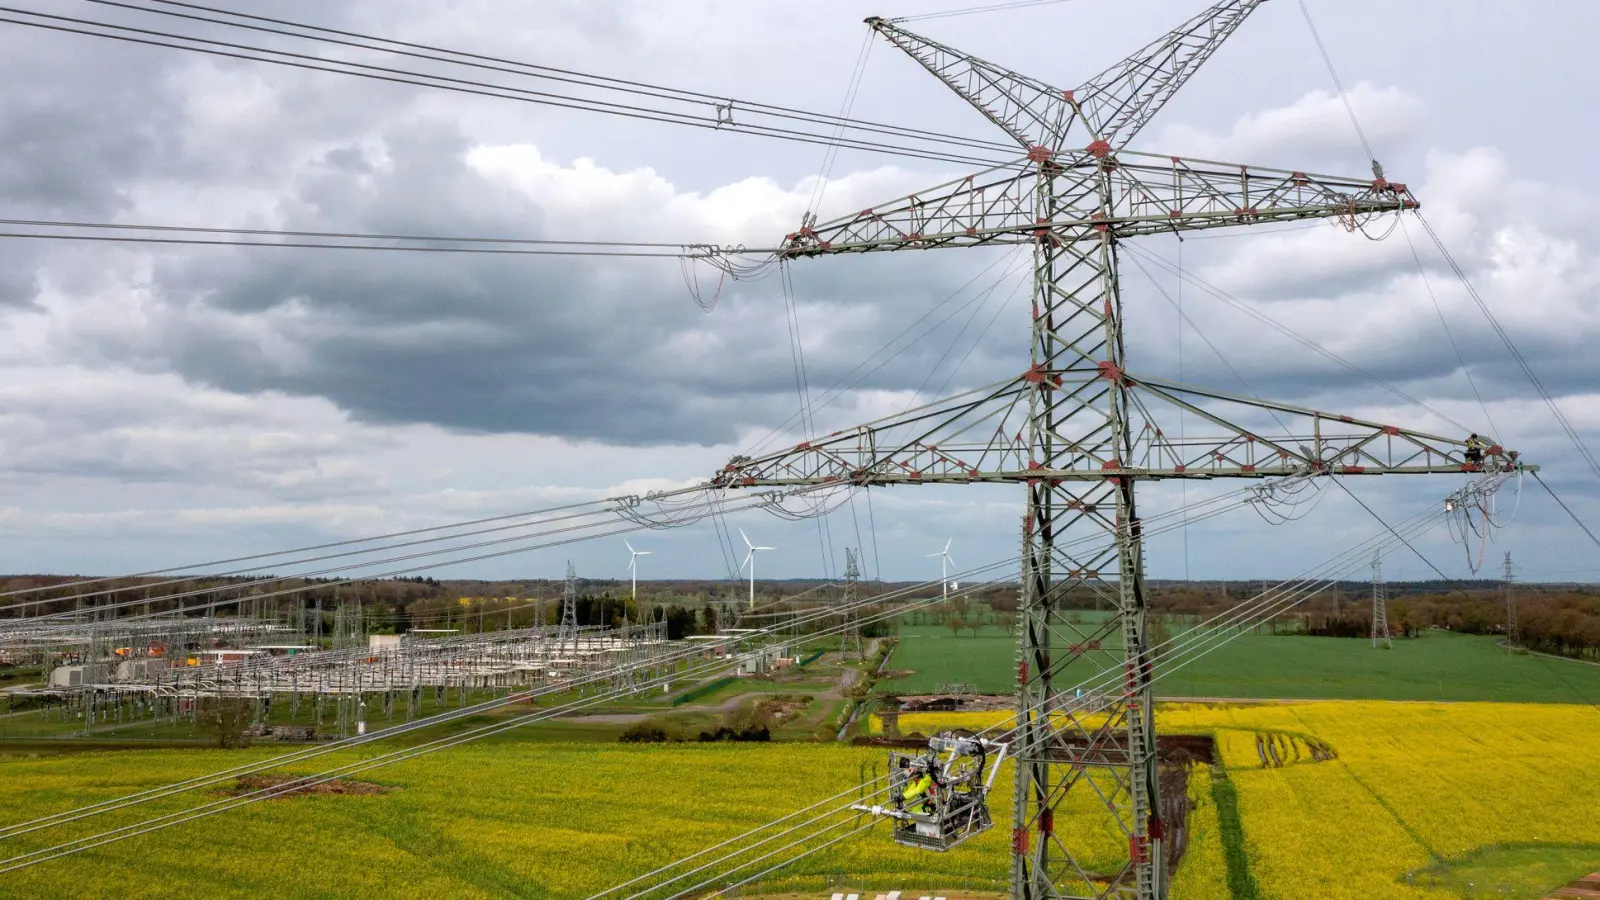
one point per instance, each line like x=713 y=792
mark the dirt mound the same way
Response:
x=291 y=786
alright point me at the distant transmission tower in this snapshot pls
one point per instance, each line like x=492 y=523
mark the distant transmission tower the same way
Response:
x=567 y=633
x=850 y=641
x=1076 y=428
x=1380 y=604
x=1508 y=586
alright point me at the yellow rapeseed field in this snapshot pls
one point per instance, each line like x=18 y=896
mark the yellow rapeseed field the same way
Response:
x=1416 y=795
x=1414 y=790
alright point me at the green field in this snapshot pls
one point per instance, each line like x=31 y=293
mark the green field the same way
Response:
x=1439 y=665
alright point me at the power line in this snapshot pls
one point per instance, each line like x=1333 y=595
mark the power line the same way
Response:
x=500 y=64
x=973 y=10
x=1220 y=294
x=1339 y=86
x=1566 y=508
x=349 y=235
x=304 y=245
x=715 y=119
x=1505 y=338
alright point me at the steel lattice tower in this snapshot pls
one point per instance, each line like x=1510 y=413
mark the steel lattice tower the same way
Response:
x=1380 y=604
x=1508 y=587
x=850 y=638
x=1077 y=429
x=567 y=632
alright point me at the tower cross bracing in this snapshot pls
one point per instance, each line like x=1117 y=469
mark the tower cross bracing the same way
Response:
x=1079 y=429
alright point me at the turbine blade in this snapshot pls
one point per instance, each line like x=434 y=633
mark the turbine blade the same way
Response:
x=745 y=536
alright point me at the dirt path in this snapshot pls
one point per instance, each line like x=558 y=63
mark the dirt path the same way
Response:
x=728 y=705
x=1585 y=888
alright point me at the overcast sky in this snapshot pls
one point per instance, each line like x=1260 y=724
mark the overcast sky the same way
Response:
x=171 y=405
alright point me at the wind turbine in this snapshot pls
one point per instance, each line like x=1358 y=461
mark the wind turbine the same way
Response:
x=633 y=572
x=750 y=560
x=632 y=566
x=944 y=560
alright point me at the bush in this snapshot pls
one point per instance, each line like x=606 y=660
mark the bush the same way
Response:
x=644 y=733
x=728 y=734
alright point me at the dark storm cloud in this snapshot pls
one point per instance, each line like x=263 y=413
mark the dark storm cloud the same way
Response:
x=610 y=349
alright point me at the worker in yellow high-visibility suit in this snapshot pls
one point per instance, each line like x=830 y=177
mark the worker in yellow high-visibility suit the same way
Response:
x=919 y=790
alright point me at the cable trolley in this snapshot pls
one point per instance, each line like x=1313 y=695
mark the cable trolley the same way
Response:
x=938 y=796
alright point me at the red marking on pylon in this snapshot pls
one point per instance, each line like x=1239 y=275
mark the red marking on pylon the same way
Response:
x=1040 y=154
x=1068 y=95
x=1110 y=371
x=1352 y=470
x=1390 y=430
x=1037 y=374
x=1180 y=468
x=971 y=231
x=1047 y=821
x=1247 y=468
x=1019 y=841
x=1099 y=149
x=1138 y=850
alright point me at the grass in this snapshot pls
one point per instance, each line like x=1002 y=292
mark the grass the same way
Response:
x=1241 y=883
x=1439 y=665
x=1515 y=872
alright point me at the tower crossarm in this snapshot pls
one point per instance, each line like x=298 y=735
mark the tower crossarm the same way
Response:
x=1150 y=194
x=1121 y=100
x=1112 y=106
x=979 y=437
x=1031 y=111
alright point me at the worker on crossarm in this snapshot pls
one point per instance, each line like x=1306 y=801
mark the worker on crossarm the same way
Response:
x=919 y=790
x=1475 y=447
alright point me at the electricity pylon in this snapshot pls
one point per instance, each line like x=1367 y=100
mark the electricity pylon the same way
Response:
x=1508 y=586
x=850 y=639
x=1380 y=604
x=1079 y=429
x=567 y=632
